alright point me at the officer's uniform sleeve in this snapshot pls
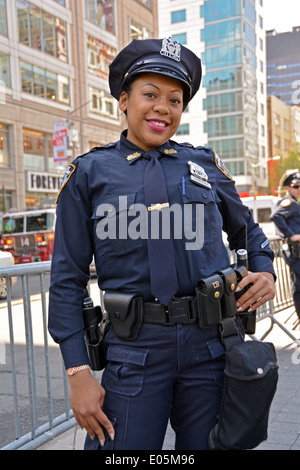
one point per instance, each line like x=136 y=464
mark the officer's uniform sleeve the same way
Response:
x=239 y=225
x=285 y=209
x=72 y=255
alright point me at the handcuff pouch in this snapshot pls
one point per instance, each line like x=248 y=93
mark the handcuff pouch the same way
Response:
x=209 y=292
x=125 y=313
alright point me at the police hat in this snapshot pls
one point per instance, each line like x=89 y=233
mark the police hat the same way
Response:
x=163 y=56
x=292 y=179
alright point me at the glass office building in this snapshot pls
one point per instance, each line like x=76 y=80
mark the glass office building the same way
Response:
x=229 y=37
x=283 y=65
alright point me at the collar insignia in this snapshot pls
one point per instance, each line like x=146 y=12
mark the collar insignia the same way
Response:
x=134 y=155
x=168 y=151
x=171 y=48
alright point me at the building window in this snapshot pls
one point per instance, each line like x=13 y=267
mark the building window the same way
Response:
x=181 y=38
x=103 y=104
x=183 y=129
x=286 y=125
x=223 y=79
x=224 y=103
x=147 y=3
x=62 y=2
x=45 y=84
x=101 y=13
x=42 y=31
x=100 y=55
x=224 y=32
x=137 y=31
x=3 y=20
x=225 y=126
x=277 y=141
x=178 y=16
x=4 y=147
x=4 y=70
x=33 y=148
x=37 y=150
x=222 y=56
x=213 y=10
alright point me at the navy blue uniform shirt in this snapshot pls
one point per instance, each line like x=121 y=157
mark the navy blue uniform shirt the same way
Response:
x=103 y=191
x=286 y=217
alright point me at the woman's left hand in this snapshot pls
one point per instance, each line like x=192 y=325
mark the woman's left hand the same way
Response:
x=262 y=290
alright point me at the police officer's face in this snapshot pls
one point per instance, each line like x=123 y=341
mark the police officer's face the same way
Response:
x=295 y=191
x=154 y=107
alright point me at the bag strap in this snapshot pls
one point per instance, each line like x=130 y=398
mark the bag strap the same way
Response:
x=229 y=334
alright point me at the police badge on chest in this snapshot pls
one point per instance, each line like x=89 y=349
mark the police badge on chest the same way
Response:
x=198 y=175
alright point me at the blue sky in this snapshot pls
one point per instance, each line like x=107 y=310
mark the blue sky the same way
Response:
x=281 y=14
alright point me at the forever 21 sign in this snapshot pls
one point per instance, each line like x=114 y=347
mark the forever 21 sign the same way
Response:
x=43 y=182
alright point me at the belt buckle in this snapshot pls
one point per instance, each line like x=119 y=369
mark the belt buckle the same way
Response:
x=178 y=311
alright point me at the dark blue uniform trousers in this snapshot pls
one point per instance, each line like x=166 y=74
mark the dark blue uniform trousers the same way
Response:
x=169 y=372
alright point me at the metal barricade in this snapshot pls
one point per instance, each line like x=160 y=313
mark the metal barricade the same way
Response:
x=283 y=296
x=41 y=409
x=32 y=405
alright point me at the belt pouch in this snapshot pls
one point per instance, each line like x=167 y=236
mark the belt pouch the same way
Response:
x=209 y=292
x=126 y=313
x=294 y=249
x=228 y=302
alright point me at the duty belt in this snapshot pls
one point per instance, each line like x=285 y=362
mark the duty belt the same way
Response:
x=179 y=310
x=214 y=300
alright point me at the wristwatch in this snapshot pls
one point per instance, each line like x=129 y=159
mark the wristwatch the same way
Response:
x=74 y=370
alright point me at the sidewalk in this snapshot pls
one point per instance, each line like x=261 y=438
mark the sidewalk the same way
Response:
x=284 y=420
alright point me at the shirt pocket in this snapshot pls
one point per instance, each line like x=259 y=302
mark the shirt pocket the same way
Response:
x=124 y=373
x=111 y=226
x=201 y=214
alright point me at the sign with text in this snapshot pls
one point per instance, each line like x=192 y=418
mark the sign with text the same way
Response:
x=60 y=143
x=43 y=182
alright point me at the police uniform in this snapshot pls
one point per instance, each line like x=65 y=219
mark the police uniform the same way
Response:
x=168 y=371
x=286 y=217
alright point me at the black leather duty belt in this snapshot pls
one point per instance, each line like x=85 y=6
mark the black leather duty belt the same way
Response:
x=179 y=310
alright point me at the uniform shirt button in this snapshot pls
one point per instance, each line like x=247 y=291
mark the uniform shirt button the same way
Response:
x=204 y=195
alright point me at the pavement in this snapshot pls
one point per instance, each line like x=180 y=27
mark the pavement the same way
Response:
x=284 y=419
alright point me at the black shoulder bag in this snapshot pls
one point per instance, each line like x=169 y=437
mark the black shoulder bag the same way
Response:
x=250 y=381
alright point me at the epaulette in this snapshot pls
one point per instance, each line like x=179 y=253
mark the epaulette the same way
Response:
x=94 y=149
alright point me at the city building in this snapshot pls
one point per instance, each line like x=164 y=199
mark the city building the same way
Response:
x=279 y=127
x=54 y=58
x=229 y=114
x=283 y=65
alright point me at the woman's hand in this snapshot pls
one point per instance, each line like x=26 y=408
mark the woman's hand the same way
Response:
x=262 y=290
x=87 y=397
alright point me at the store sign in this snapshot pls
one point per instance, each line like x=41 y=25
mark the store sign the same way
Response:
x=43 y=182
x=60 y=143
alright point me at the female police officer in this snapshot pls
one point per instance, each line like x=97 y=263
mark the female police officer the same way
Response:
x=162 y=364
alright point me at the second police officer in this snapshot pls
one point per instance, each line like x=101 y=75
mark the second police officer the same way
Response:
x=286 y=217
x=110 y=206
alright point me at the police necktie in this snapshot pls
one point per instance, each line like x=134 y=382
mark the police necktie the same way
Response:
x=160 y=248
